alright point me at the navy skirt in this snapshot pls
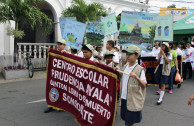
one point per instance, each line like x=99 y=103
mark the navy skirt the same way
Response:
x=129 y=117
x=159 y=78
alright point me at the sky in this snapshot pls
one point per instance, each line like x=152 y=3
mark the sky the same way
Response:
x=156 y=4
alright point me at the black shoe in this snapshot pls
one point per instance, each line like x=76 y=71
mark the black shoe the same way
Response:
x=158 y=103
x=190 y=78
x=179 y=86
x=49 y=109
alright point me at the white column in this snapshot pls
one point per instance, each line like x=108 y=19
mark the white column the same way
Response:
x=19 y=51
x=40 y=52
x=35 y=52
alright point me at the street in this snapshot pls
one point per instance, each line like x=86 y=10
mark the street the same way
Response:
x=23 y=104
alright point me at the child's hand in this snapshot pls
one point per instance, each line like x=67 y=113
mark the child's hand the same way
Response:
x=115 y=68
x=190 y=100
x=133 y=75
x=62 y=51
x=48 y=50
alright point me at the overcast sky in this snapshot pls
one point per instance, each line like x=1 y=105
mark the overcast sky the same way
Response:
x=156 y=4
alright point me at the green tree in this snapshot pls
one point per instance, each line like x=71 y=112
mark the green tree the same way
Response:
x=22 y=13
x=172 y=6
x=152 y=33
x=85 y=12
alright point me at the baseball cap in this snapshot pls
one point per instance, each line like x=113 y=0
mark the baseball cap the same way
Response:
x=166 y=44
x=132 y=49
x=108 y=53
x=62 y=41
x=88 y=47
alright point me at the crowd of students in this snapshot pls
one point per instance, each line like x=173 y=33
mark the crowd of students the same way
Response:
x=132 y=90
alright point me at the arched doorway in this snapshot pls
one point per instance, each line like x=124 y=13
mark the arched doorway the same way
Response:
x=37 y=35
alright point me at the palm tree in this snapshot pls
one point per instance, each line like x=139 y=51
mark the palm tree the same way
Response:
x=22 y=13
x=85 y=12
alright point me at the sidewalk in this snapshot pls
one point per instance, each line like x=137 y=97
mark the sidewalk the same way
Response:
x=37 y=75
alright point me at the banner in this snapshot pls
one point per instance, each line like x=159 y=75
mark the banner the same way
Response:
x=95 y=33
x=74 y=33
x=151 y=64
x=164 y=28
x=176 y=11
x=82 y=87
x=137 y=28
x=110 y=24
x=62 y=21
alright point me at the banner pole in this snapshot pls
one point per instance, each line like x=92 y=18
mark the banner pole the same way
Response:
x=123 y=72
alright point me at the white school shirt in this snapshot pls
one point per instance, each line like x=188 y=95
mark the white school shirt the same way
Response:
x=116 y=56
x=190 y=51
x=179 y=52
x=80 y=54
x=156 y=52
x=185 y=54
x=162 y=58
x=125 y=79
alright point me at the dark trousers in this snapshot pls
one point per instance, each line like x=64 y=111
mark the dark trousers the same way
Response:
x=184 y=67
x=188 y=65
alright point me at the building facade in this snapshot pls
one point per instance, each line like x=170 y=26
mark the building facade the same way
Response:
x=54 y=8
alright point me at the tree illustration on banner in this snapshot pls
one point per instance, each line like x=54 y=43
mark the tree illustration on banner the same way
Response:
x=74 y=33
x=95 y=33
x=110 y=24
x=137 y=28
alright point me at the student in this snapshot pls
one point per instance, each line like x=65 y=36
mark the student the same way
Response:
x=100 y=54
x=176 y=49
x=110 y=47
x=156 y=49
x=74 y=51
x=108 y=57
x=185 y=57
x=188 y=63
x=174 y=68
x=163 y=70
x=88 y=52
x=133 y=88
x=60 y=47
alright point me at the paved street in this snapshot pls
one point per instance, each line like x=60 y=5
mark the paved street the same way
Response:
x=18 y=109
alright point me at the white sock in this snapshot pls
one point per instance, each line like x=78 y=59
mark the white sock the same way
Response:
x=182 y=80
x=161 y=96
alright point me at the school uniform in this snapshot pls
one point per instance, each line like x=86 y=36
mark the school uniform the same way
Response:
x=132 y=95
x=184 y=67
x=156 y=51
x=188 y=63
x=116 y=56
x=163 y=70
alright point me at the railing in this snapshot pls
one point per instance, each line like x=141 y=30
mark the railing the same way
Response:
x=34 y=49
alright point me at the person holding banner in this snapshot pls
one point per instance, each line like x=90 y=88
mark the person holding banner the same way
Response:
x=88 y=52
x=60 y=47
x=133 y=87
x=110 y=46
x=174 y=68
x=163 y=70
